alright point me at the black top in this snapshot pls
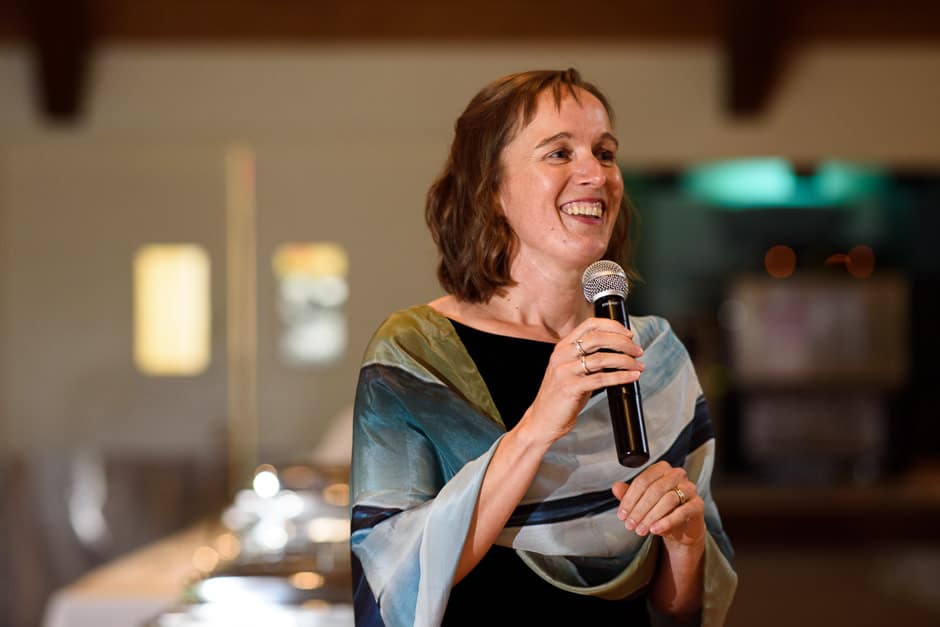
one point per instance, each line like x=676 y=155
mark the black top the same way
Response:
x=502 y=590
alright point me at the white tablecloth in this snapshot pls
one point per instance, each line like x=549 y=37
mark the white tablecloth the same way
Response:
x=133 y=589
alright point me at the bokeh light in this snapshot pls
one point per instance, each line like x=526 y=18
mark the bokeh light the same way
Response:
x=266 y=483
x=861 y=261
x=307 y=580
x=336 y=494
x=780 y=261
x=323 y=529
x=205 y=558
x=228 y=546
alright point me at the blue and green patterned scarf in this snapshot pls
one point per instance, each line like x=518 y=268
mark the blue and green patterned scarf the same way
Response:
x=425 y=428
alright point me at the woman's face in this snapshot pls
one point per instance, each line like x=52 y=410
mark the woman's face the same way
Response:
x=561 y=186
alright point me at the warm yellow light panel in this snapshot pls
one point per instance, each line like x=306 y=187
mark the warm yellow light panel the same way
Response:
x=171 y=309
x=314 y=259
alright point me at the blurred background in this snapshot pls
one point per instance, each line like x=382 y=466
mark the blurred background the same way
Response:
x=206 y=208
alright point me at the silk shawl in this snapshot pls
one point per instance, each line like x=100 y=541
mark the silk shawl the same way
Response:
x=425 y=428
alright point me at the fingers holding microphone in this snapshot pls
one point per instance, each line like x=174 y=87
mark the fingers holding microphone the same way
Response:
x=598 y=353
x=577 y=368
x=604 y=348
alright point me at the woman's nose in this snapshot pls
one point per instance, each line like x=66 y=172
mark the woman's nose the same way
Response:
x=591 y=171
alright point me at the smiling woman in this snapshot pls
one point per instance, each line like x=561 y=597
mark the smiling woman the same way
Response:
x=476 y=241
x=561 y=191
x=483 y=464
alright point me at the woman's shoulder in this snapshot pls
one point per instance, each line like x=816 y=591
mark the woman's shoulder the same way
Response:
x=403 y=334
x=408 y=320
x=665 y=355
x=651 y=328
x=420 y=342
x=411 y=314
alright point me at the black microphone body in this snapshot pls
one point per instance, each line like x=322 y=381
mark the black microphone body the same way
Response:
x=605 y=286
x=626 y=404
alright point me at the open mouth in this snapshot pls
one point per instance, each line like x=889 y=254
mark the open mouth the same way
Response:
x=589 y=209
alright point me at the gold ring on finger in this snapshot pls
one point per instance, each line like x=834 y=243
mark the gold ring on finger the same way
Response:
x=577 y=344
x=584 y=366
x=682 y=497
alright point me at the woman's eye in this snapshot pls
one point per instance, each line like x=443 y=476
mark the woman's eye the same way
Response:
x=607 y=156
x=561 y=153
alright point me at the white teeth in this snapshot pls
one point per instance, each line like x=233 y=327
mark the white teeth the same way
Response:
x=593 y=209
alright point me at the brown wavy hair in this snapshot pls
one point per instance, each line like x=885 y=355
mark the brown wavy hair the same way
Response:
x=475 y=242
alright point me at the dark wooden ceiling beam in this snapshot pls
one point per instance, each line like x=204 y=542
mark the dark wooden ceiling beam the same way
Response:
x=754 y=42
x=299 y=21
x=866 y=21
x=60 y=34
x=11 y=22
x=756 y=35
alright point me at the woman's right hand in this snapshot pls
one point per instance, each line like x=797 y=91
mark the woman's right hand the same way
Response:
x=579 y=365
x=565 y=390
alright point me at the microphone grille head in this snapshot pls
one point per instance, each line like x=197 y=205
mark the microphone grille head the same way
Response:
x=603 y=278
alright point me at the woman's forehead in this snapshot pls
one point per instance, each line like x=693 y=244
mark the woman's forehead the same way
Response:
x=551 y=108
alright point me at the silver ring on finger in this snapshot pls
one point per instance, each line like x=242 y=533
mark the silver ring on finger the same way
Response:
x=584 y=367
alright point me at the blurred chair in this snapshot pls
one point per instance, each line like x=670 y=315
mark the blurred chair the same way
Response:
x=68 y=512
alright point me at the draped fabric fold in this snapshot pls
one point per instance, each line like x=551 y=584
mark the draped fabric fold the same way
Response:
x=420 y=398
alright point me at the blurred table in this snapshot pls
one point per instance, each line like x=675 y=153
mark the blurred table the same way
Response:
x=860 y=555
x=879 y=543
x=135 y=588
x=905 y=510
x=865 y=556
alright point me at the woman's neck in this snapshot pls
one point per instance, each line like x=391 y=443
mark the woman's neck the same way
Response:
x=537 y=310
x=550 y=313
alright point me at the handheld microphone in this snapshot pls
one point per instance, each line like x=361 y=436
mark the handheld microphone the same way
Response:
x=605 y=285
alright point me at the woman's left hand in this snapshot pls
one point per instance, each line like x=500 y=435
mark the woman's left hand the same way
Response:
x=661 y=500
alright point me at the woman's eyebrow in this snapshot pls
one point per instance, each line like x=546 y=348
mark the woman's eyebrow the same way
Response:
x=555 y=137
x=611 y=137
x=566 y=135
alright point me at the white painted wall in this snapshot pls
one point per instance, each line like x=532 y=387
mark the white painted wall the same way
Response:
x=348 y=139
